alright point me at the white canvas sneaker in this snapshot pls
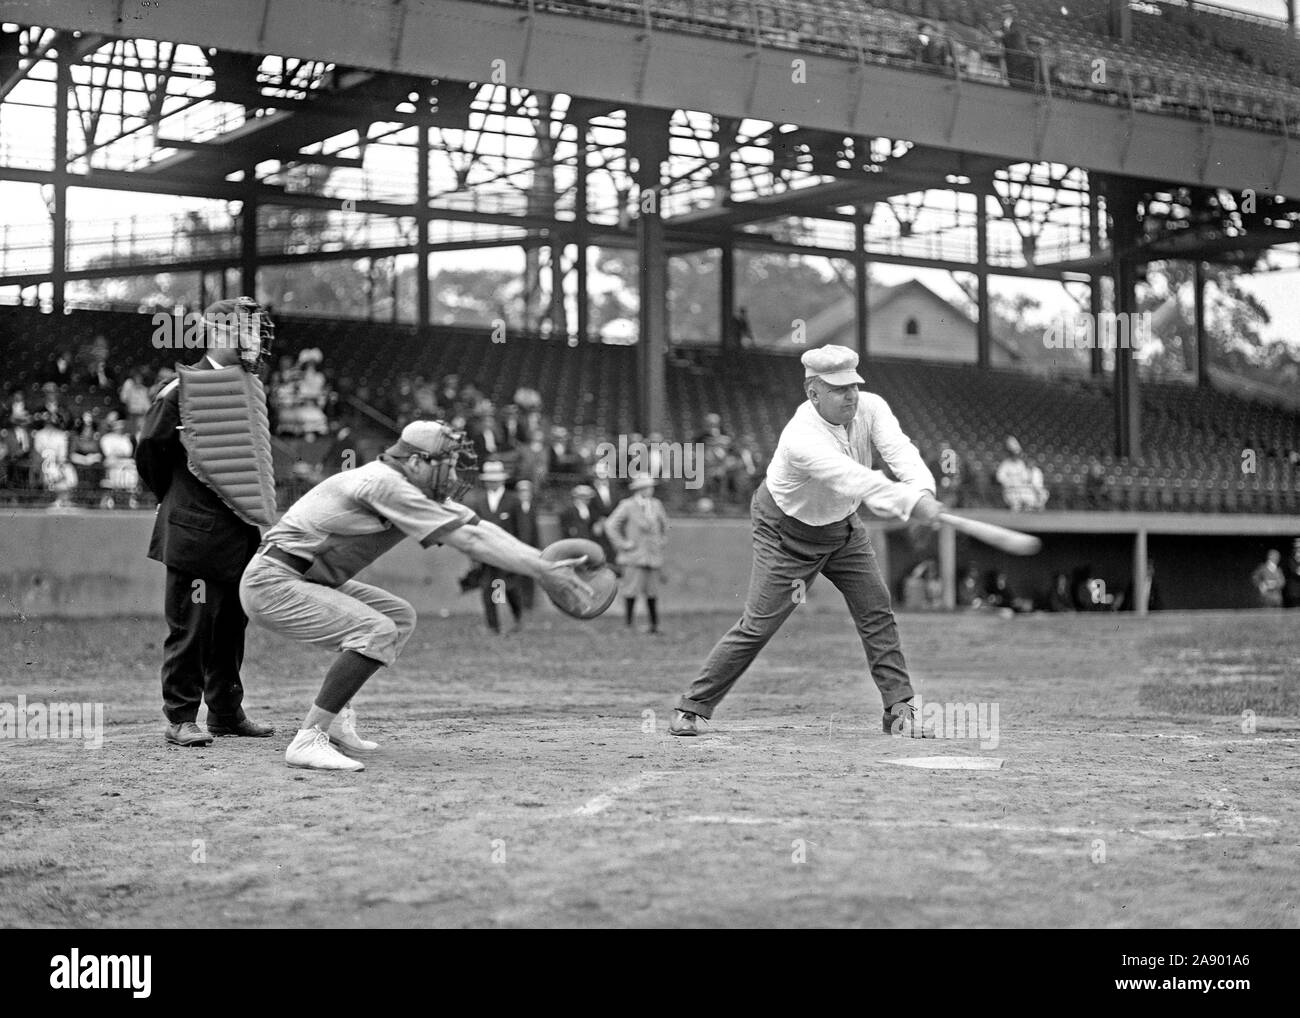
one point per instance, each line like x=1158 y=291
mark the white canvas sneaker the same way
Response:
x=311 y=749
x=343 y=733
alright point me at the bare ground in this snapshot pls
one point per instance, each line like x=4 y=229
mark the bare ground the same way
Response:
x=522 y=783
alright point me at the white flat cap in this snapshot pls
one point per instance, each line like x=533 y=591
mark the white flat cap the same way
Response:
x=834 y=365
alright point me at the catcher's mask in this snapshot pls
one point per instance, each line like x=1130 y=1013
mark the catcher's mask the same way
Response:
x=242 y=322
x=450 y=452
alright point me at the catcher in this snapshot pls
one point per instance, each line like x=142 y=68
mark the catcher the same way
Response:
x=300 y=584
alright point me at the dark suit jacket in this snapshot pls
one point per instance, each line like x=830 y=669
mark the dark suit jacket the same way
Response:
x=194 y=532
x=527 y=523
x=507 y=515
x=573 y=525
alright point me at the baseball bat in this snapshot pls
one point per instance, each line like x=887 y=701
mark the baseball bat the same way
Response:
x=1010 y=541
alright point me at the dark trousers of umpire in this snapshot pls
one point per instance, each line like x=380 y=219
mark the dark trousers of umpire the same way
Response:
x=788 y=556
x=499 y=584
x=204 y=649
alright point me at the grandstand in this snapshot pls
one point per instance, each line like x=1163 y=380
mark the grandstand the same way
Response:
x=388 y=151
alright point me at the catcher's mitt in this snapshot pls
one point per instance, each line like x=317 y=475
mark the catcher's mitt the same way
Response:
x=594 y=572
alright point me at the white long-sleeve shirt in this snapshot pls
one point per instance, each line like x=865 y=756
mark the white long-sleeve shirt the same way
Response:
x=821 y=472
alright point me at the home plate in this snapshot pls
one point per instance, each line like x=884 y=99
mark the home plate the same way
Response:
x=951 y=763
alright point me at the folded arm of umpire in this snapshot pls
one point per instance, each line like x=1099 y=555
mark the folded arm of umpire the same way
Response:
x=488 y=543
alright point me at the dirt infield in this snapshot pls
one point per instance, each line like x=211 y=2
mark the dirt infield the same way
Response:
x=522 y=782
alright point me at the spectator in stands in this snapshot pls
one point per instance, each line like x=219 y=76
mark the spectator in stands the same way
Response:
x=1291 y=592
x=134 y=395
x=449 y=391
x=311 y=394
x=1018 y=59
x=533 y=462
x=1022 y=483
x=120 y=477
x=18 y=412
x=85 y=456
x=52 y=403
x=486 y=434
x=1096 y=494
x=61 y=373
x=16 y=443
x=563 y=457
x=284 y=397
x=512 y=428
x=930 y=49
x=51 y=446
x=98 y=375
x=1269 y=580
x=950 y=474
x=426 y=399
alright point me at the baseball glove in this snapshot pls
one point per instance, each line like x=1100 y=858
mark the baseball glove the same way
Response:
x=594 y=573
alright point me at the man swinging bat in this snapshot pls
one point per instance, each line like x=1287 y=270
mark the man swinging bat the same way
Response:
x=805 y=522
x=301 y=582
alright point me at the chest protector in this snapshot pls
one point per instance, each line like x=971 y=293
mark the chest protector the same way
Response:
x=225 y=431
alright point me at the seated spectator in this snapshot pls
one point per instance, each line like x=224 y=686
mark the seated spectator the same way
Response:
x=120 y=478
x=51 y=447
x=1269 y=580
x=485 y=433
x=62 y=370
x=1096 y=493
x=311 y=394
x=134 y=395
x=950 y=474
x=928 y=48
x=284 y=397
x=85 y=456
x=1022 y=483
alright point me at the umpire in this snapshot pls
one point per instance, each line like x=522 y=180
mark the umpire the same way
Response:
x=805 y=522
x=204 y=545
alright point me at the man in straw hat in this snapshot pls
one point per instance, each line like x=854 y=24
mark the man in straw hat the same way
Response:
x=805 y=522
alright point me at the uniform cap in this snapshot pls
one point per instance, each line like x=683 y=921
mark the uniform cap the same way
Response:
x=642 y=483
x=432 y=438
x=584 y=491
x=834 y=365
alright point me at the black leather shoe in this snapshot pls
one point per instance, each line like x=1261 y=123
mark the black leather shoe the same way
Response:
x=244 y=727
x=187 y=733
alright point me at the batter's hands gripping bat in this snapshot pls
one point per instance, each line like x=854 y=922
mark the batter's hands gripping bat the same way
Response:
x=1011 y=541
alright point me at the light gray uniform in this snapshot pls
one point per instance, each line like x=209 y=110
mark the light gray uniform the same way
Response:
x=333 y=532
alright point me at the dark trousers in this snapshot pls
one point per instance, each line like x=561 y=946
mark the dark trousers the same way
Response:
x=494 y=581
x=204 y=649
x=788 y=556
